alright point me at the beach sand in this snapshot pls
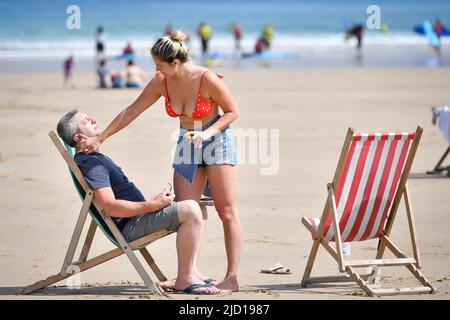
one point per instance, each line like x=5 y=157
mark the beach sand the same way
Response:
x=312 y=110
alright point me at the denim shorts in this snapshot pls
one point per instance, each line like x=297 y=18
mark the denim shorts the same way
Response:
x=219 y=149
x=145 y=224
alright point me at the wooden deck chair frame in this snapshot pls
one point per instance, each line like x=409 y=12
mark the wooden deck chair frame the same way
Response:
x=369 y=283
x=438 y=168
x=70 y=267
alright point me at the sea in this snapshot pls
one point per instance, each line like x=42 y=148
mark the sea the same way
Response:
x=312 y=31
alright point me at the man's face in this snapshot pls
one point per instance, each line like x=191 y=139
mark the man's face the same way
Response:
x=87 y=124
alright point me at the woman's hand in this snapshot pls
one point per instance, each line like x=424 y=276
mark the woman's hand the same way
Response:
x=90 y=144
x=197 y=138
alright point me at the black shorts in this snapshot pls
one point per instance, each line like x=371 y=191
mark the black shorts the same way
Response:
x=100 y=47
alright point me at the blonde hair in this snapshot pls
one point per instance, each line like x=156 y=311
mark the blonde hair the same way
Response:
x=172 y=47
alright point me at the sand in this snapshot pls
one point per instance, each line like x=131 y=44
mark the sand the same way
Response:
x=311 y=108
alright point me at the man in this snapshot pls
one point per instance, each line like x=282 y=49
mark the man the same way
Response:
x=357 y=31
x=237 y=34
x=267 y=36
x=133 y=75
x=134 y=214
x=102 y=72
x=205 y=32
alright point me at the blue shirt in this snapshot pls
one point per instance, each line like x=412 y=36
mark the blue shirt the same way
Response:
x=100 y=171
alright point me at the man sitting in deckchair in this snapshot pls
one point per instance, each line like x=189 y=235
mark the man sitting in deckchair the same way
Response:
x=134 y=214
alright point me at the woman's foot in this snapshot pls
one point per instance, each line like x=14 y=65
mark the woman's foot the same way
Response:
x=229 y=284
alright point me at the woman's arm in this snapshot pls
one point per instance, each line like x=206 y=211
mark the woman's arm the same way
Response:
x=151 y=93
x=221 y=96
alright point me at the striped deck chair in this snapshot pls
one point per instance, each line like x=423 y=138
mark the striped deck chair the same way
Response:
x=109 y=228
x=362 y=203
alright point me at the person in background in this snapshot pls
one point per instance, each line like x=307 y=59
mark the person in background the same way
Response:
x=259 y=46
x=267 y=35
x=205 y=32
x=68 y=69
x=168 y=30
x=237 y=34
x=134 y=76
x=438 y=28
x=102 y=72
x=357 y=31
x=100 y=40
x=187 y=40
x=128 y=50
x=433 y=37
x=116 y=80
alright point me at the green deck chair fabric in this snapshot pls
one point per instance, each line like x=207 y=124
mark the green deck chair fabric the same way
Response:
x=92 y=210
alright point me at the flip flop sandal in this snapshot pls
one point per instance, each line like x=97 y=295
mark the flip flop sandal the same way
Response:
x=190 y=289
x=209 y=281
x=277 y=269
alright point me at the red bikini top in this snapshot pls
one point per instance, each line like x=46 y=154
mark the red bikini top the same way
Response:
x=202 y=108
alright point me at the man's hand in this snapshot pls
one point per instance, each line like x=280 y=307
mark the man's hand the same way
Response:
x=165 y=198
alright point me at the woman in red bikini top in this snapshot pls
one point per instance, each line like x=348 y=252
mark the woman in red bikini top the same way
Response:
x=193 y=95
x=202 y=107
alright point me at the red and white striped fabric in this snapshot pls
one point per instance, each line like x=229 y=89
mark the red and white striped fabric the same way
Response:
x=367 y=185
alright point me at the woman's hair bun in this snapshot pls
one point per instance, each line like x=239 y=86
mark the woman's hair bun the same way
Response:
x=177 y=36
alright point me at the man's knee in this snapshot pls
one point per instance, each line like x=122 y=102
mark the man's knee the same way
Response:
x=189 y=210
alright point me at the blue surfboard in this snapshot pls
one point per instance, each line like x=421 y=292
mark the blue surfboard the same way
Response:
x=421 y=31
x=430 y=34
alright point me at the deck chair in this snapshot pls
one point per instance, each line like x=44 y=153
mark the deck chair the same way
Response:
x=363 y=198
x=440 y=119
x=438 y=168
x=101 y=220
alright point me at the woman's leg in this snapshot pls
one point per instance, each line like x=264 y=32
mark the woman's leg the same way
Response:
x=222 y=182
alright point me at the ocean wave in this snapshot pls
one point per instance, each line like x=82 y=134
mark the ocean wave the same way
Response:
x=85 y=48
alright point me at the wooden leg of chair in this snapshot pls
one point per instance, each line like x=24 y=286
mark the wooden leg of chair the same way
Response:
x=374 y=277
x=77 y=231
x=88 y=241
x=125 y=246
x=151 y=262
x=437 y=168
x=360 y=281
x=310 y=263
x=44 y=283
x=64 y=275
x=411 y=267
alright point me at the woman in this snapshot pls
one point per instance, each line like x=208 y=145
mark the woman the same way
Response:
x=205 y=148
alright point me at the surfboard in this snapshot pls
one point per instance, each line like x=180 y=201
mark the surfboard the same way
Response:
x=421 y=31
x=430 y=34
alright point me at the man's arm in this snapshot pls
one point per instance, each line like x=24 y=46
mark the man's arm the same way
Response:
x=125 y=209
